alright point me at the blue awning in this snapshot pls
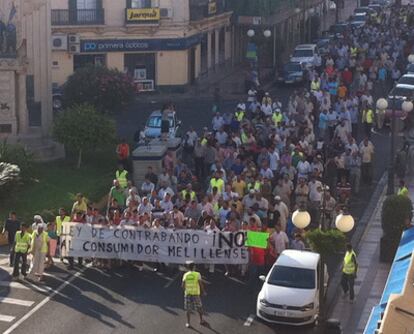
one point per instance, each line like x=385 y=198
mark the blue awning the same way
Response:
x=396 y=278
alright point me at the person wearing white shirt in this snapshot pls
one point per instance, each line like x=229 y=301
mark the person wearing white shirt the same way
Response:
x=279 y=239
x=274 y=159
x=267 y=109
x=217 y=122
x=283 y=210
x=221 y=136
x=303 y=168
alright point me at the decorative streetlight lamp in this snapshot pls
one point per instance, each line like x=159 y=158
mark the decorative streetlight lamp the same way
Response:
x=411 y=58
x=250 y=33
x=301 y=219
x=267 y=33
x=344 y=222
x=406 y=107
x=382 y=104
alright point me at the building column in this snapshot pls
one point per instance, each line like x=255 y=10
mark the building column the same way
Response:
x=209 y=60
x=217 y=48
x=227 y=43
x=21 y=106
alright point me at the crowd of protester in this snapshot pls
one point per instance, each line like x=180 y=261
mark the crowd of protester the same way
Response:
x=252 y=167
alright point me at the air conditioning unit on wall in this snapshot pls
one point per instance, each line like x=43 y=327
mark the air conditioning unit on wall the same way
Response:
x=166 y=13
x=74 y=39
x=60 y=42
x=74 y=48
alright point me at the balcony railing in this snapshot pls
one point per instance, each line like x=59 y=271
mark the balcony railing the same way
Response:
x=200 y=9
x=68 y=17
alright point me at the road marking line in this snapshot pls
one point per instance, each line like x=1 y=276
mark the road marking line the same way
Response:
x=14 y=301
x=15 y=285
x=249 y=320
x=236 y=280
x=44 y=301
x=4 y=262
x=168 y=284
x=6 y=318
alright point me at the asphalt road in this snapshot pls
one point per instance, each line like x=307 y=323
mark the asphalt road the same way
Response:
x=128 y=301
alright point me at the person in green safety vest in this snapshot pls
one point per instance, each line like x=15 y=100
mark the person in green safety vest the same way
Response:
x=122 y=176
x=402 y=189
x=193 y=287
x=22 y=243
x=349 y=272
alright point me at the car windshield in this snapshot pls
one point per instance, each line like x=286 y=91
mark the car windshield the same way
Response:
x=402 y=91
x=303 y=53
x=338 y=28
x=406 y=80
x=359 y=18
x=291 y=277
x=293 y=67
x=361 y=11
x=155 y=122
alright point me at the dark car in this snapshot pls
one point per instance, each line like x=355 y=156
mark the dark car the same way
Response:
x=323 y=45
x=338 y=30
x=292 y=72
x=410 y=69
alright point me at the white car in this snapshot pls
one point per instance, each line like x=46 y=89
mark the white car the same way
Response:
x=305 y=54
x=290 y=292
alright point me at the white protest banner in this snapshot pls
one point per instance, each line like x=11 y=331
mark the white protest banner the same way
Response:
x=161 y=245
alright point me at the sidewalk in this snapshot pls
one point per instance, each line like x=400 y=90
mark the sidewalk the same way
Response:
x=371 y=279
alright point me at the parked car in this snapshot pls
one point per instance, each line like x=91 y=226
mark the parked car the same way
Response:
x=153 y=125
x=323 y=45
x=305 y=54
x=406 y=79
x=358 y=21
x=397 y=96
x=410 y=69
x=338 y=30
x=365 y=11
x=292 y=72
x=290 y=292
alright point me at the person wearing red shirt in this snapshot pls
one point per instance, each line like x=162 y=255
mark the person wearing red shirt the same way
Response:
x=347 y=77
x=122 y=150
x=257 y=258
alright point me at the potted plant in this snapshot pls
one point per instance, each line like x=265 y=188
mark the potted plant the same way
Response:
x=396 y=211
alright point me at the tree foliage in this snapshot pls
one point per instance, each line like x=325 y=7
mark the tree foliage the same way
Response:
x=326 y=242
x=396 y=209
x=81 y=128
x=108 y=90
x=17 y=155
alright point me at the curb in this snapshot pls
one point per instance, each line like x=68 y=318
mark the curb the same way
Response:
x=360 y=230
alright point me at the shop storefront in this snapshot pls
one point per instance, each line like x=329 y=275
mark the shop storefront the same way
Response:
x=150 y=62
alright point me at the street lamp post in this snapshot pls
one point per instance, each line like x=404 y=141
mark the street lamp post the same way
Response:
x=266 y=34
x=406 y=107
x=344 y=222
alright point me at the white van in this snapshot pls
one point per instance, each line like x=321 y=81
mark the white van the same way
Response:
x=290 y=292
x=305 y=54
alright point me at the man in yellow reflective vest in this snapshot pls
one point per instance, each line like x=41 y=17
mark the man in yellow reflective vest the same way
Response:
x=59 y=220
x=402 y=189
x=22 y=244
x=193 y=287
x=122 y=176
x=367 y=120
x=349 y=272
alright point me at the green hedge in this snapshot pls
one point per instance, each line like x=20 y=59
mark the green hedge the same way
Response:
x=396 y=209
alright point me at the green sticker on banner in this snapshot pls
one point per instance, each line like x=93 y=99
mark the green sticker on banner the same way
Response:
x=257 y=239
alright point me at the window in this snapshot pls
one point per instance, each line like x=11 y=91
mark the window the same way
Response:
x=141 y=4
x=303 y=53
x=292 y=277
x=86 y=4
